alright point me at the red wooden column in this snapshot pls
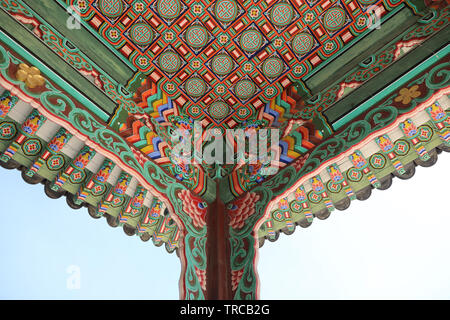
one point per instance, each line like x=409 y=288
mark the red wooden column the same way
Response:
x=218 y=271
x=220 y=247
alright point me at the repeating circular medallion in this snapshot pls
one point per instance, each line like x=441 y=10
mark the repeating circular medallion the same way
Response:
x=273 y=67
x=278 y=215
x=218 y=110
x=168 y=9
x=169 y=62
x=302 y=43
x=111 y=8
x=55 y=162
x=281 y=14
x=354 y=175
x=244 y=89
x=197 y=36
x=226 y=10
x=334 y=187
x=31 y=147
x=7 y=130
x=77 y=176
x=141 y=34
x=296 y=206
x=195 y=87
x=334 y=18
x=251 y=40
x=98 y=190
x=377 y=161
x=222 y=64
x=314 y=197
x=401 y=147
x=425 y=133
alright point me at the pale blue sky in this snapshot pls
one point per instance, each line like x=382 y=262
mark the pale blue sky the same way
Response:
x=392 y=246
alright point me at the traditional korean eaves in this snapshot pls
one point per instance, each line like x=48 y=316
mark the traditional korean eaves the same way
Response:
x=319 y=196
x=354 y=105
x=47 y=154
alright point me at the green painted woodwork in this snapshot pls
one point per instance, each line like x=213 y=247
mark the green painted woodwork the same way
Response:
x=418 y=6
x=126 y=103
x=44 y=174
x=100 y=104
x=336 y=67
x=370 y=66
x=430 y=50
x=389 y=169
x=62 y=106
x=187 y=209
x=116 y=66
x=379 y=116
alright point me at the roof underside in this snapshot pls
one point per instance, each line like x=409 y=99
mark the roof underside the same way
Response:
x=113 y=79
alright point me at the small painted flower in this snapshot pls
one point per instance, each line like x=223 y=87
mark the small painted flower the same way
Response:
x=309 y=17
x=139 y=6
x=170 y=87
x=361 y=22
x=298 y=69
x=254 y=13
x=223 y=39
x=82 y=4
x=278 y=42
x=242 y=112
x=143 y=61
x=198 y=9
x=113 y=34
x=54 y=162
x=6 y=131
x=405 y=95
x=329 y=46
x=169 y=36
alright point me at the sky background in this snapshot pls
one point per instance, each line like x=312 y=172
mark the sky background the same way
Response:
x=394 y=245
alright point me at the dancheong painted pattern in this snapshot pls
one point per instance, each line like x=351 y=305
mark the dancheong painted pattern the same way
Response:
x=354 y=106
x=239 y=53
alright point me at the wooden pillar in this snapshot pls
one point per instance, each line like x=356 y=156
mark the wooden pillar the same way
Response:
x=220 y=246
x=218 y=275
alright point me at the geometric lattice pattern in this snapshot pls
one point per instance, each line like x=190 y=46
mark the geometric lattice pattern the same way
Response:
x=237 y=55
